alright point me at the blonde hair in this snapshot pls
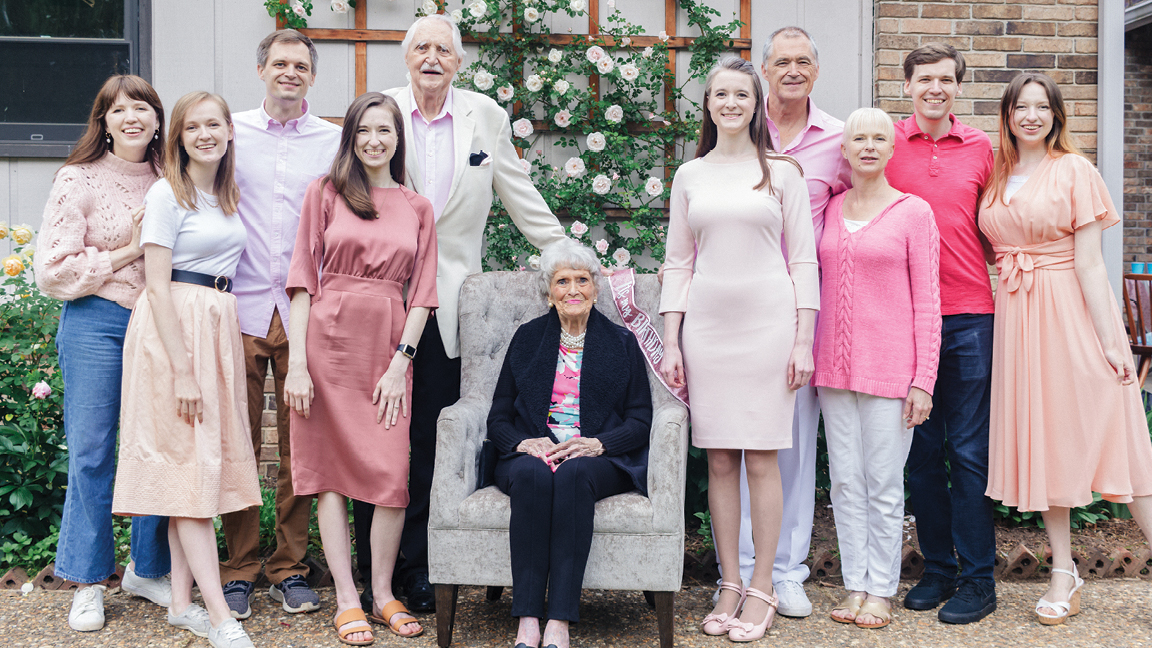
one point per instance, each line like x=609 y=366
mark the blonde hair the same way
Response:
x=176 y=158
x=864 y=119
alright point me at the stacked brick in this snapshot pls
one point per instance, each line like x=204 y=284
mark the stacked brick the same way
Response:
x=999 y=38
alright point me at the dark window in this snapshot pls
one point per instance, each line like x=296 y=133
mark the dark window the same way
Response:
x=57 y=54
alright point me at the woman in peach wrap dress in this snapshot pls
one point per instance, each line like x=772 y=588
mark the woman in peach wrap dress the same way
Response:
x=1067 y=418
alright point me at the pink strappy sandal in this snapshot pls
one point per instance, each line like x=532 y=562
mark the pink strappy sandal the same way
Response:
x=718 y=624
x=741 y=632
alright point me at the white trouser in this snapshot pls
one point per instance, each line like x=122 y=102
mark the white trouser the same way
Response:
x=867 y=447
x=798 y=478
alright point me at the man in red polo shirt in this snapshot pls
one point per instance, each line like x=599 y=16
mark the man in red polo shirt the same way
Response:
x=948 y=164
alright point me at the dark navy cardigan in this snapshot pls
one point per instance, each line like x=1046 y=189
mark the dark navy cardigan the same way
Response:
x=615 y=400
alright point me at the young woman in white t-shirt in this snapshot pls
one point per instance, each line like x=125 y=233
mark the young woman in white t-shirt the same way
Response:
x=185 y=447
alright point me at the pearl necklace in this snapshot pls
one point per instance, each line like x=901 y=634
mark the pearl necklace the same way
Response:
x=572 y=341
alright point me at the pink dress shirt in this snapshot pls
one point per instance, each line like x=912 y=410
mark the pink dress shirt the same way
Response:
x=274 y=164
x=435 y=152
x=817 y=149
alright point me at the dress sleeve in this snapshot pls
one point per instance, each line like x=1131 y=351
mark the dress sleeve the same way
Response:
x=799 y=236
x=308 y=254
x=520 y=197
x=422 y=284
x=1090 y=200
x=162 y=216
x=680 y=250
x=924 y=279
x=65 y=267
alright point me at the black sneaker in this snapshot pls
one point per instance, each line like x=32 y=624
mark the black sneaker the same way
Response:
x=973 y=601
x=238 y=595
x=294 y=595
x=932 y=590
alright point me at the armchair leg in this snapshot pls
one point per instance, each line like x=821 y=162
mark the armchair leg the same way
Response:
x=664 y=618
x=494 y=592
x=446 y=613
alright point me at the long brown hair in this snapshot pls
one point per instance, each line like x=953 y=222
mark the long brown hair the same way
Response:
x=1059 y=140
x=757 y=130
x=93 y=144
x=348 y=176
x=176 y=158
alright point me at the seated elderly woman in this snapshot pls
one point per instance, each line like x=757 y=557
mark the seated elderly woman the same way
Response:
x=570 y=418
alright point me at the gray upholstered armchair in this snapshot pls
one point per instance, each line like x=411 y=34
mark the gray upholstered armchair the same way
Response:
x=638 y=542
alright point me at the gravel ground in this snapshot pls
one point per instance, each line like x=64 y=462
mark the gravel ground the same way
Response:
x=1115 y=612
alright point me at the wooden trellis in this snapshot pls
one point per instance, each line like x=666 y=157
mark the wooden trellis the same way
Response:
x=361 y=36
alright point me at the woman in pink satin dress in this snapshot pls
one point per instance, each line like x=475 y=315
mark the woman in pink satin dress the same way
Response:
x=1067 y=418
x=363 y=238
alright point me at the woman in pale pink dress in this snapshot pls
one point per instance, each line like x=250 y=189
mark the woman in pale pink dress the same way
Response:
x=1067 y=418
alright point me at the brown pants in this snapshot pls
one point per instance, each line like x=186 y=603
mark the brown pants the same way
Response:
x=242 y=528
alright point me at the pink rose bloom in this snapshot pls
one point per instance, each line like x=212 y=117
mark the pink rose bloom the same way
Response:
x=579 y=229
x=602 y=246
x=527 y=166
x=595 y=53
x=41 y=390
x=563 y=118
x=663 y=36
x=522 y=128
x=614 y=114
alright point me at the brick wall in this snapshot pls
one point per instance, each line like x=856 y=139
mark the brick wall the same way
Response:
x=998 y=38
x=1138 y=145
x=269 y=450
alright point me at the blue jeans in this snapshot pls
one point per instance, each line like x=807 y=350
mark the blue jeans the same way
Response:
x=953 y=517
x=90 y=343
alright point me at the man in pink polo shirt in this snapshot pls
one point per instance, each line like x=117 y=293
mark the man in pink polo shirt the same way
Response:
x=790 y=66
x=280 y=148
x=948 y=164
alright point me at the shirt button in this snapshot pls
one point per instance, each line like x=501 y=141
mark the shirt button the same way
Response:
x=933 y=157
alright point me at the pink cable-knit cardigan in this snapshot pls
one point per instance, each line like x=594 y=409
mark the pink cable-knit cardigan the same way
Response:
x=89 y=213
x=879 y=328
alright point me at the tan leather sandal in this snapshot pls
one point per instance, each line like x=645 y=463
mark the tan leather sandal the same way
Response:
x=350 y=616
x=851 y=604
x=391 y=609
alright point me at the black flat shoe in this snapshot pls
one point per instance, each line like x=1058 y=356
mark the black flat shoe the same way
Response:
x=421 y=596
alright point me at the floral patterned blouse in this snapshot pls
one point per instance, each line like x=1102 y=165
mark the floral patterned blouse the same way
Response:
x=564 y=413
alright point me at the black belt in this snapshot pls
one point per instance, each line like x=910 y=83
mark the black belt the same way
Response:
x=221 y=283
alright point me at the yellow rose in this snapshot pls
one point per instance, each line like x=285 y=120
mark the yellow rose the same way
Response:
x=13 y=266
x=22 y=234
x=3 y=230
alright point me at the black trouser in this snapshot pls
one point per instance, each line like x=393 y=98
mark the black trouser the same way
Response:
x=435 y=385
x=551 y=528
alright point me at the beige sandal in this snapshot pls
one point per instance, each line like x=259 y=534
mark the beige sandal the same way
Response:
x=349 y=616
x=391 y=609
x=850 y=604
x=876 y=609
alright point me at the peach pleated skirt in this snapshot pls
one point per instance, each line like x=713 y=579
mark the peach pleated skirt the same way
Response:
x=166 y=466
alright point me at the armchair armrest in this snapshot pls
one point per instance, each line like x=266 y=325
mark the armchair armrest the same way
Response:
x=460 y=430
x=667 y=466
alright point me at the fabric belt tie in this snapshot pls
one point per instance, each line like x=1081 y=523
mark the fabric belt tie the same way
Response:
x=1015 y=264
x=363 y=285
x=220 y=283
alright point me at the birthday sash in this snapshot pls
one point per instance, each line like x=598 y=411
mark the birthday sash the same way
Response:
x=623 y=283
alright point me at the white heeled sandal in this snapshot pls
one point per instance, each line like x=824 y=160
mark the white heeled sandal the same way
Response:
x=1068 y=608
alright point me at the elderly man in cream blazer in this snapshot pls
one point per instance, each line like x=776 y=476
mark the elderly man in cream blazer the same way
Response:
x=459 y=149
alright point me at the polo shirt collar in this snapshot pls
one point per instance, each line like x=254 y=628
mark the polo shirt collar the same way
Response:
x=298 y=124
x=956 y=131
x=816 y=119
x=446 y=110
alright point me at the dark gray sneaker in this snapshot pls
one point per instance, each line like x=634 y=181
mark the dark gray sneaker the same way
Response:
x=238 y=594
x=973 y=601
x=294 y=595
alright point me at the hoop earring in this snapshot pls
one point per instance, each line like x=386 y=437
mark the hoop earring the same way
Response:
x=108 y=138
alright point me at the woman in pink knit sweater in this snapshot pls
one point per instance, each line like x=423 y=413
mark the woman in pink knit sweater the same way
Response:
x=90 y=257
x=877 y=348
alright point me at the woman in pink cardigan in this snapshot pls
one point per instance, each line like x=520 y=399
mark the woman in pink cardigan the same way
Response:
x=877 y=347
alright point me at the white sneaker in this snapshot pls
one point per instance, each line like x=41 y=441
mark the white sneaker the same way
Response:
x=194 y=619
x=793 y=601
x=87 y=614
x=229 y=634
x=157 y=590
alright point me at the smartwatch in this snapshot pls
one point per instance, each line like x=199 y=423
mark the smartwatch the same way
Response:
x=407 y=350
